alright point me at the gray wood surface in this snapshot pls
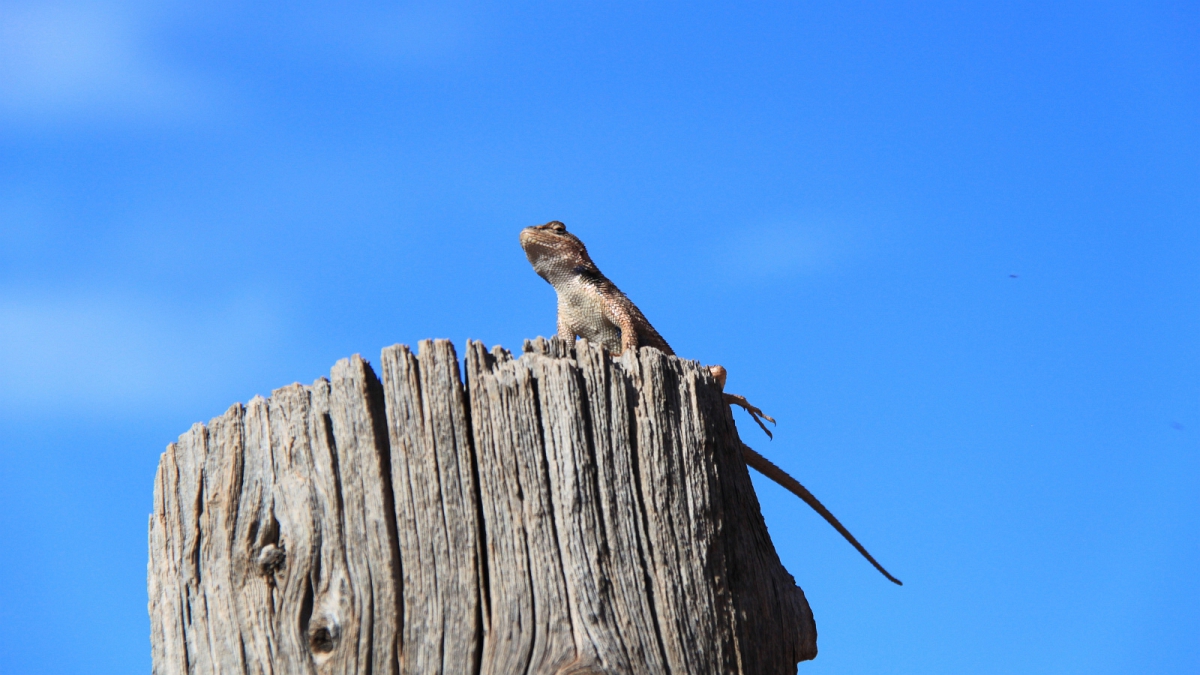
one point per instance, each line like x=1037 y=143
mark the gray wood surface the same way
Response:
x=557 y=512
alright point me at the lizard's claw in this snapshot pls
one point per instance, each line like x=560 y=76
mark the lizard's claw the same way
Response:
x=758 y=415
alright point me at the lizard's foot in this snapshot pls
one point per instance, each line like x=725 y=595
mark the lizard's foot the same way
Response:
x=758 y=415
x=735 y=399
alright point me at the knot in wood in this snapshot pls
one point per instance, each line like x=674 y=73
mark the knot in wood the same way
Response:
x=270 y=558
x=323 y=639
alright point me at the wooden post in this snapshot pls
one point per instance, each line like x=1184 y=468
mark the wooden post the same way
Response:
x=564 y=512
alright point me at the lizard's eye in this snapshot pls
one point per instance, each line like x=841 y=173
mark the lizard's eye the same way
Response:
x=557 y=226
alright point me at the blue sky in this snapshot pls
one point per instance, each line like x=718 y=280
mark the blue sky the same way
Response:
x=952 y=247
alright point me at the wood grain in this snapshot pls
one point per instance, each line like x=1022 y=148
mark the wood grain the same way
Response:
x=558 y=512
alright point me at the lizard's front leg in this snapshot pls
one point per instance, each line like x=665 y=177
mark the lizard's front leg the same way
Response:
x=623 y=318
x=565 y=332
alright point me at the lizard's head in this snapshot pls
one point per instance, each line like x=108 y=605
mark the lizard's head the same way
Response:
x=555 y=253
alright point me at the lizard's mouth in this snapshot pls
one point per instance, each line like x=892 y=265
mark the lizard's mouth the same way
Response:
x=542 y=250
x=533 y=241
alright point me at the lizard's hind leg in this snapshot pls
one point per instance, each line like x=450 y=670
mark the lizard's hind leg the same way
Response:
x=758 y=415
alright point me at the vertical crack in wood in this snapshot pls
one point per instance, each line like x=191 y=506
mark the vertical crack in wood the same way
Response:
x=482 y=572
x=627 y=414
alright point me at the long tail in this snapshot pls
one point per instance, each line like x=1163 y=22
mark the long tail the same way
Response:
x=766 y=468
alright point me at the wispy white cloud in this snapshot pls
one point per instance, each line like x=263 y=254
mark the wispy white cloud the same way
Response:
x=103 y=354
x=71 y=61
x=75 y=62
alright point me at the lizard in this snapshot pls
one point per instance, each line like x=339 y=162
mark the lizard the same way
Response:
x=592 y=307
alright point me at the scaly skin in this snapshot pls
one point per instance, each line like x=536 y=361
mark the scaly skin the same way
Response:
x=592 y=307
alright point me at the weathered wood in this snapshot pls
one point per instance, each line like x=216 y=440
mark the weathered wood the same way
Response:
x=436 y=512
x=563 y=512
